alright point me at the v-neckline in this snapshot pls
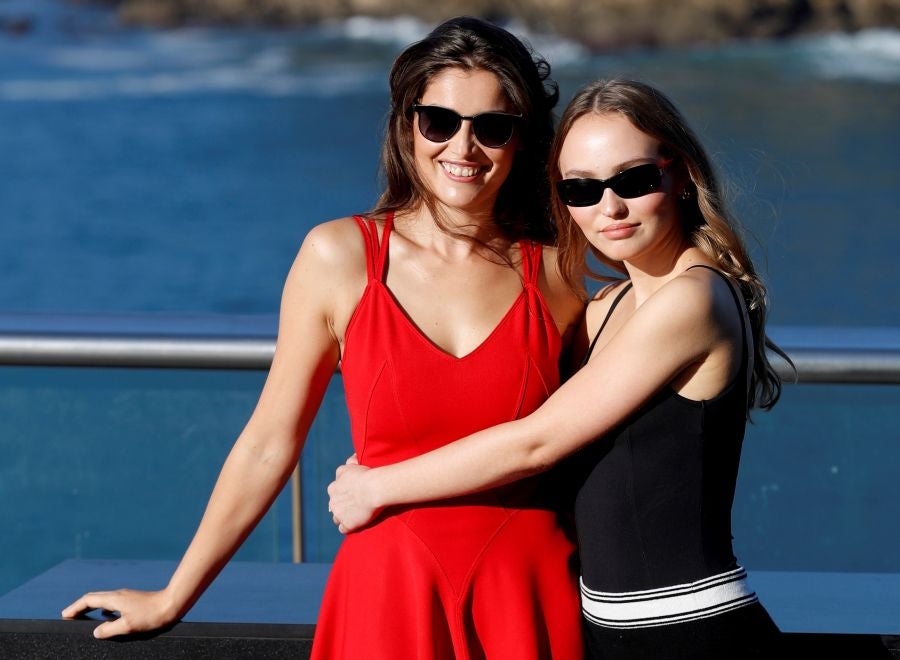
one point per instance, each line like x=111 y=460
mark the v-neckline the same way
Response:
x=428 y=341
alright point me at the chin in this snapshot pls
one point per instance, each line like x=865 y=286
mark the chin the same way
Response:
x=615 y=252
x=467 y=203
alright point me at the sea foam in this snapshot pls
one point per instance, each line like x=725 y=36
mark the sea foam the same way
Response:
x=868 y=55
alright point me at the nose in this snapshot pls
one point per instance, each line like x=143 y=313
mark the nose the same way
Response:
x=611 y=205
x=464 y=142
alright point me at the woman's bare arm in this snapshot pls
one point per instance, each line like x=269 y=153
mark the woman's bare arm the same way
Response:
x=267 y=450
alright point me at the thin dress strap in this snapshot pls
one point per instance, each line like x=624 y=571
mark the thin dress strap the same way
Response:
x=376 y=251
x=612 y=308
x=531 y=260
x=383 y=247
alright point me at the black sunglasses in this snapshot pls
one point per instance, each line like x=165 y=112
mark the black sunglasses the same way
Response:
x=633 y=182
x=492 y=129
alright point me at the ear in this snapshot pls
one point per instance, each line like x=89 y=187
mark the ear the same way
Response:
x=682 y=185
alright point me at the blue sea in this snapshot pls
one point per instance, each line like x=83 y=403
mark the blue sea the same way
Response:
x=177 y=171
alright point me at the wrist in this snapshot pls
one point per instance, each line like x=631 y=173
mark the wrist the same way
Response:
x=374 y=489
x=172 y=607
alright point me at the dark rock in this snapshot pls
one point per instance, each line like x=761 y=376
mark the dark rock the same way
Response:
x=601 y=24
x=16 y=25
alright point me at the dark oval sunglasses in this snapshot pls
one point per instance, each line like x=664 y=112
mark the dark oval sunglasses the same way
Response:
x=633 y=182
x=492 y=129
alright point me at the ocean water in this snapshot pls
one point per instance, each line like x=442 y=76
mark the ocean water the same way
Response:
x=178 y=171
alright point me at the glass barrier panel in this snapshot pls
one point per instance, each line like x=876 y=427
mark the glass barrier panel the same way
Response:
x=119 y=464
x=817 y=489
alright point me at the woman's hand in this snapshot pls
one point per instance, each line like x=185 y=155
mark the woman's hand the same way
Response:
x=139 y=611
x=351 y=502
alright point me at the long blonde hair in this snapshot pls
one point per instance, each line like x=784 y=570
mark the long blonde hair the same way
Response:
x=708 y=223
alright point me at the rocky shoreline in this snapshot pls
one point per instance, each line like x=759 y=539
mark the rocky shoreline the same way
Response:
x=598 y=24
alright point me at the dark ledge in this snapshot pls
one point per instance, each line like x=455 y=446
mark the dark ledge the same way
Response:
x=30 y=638
x=258 y=610
x=252 y=610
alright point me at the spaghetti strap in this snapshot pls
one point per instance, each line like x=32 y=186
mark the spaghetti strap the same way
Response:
x=376 y=250
x=382 y=255
x=531 y=260
x=371 y=245
x=612 y=308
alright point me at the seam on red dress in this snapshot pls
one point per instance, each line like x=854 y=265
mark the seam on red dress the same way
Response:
x=365 y=430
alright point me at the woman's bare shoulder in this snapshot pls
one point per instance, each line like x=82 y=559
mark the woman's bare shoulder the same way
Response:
x=711 y=296
x=334 y=242
x=684 y=311
x=694 y=291
x=330 y=264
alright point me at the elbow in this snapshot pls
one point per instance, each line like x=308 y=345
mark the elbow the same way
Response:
x=547 y=442
x=269 y=452
x=526 y=449
x=539 y=457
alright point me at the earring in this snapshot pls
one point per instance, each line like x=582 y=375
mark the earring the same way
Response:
x=685 y=195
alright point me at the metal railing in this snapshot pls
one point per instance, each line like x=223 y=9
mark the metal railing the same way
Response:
x=837 y=355
x=134 y=341
x=847 y=355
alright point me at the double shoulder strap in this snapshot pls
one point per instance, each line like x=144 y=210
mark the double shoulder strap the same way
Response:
x=376 y=247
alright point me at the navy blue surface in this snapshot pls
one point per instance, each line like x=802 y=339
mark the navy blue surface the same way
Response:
x=844 y=603
x=245 y=592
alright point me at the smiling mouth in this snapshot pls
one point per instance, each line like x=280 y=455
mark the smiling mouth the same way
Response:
x=460 y=170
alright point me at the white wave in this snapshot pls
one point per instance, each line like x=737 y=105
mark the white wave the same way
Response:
x=555 y=49
x=400 y=30
x=883 y=43
x=271 y=60
x=869 y=54
x=194 y=46
x=50 y=90
x=97 y=59
x=182 y=49
x=184 y=62
x=226 y=79
x=404 y=30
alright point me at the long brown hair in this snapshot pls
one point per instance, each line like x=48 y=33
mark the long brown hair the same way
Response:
x=522 y=207
x=708 y=223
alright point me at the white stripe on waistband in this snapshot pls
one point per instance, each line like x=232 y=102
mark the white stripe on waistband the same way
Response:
x=674 y=604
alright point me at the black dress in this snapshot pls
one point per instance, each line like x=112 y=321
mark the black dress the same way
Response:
x=653 y=514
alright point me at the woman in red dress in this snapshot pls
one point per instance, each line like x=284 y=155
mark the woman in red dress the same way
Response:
x=441 y=293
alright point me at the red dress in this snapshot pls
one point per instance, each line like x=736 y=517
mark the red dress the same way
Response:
x=481 y=576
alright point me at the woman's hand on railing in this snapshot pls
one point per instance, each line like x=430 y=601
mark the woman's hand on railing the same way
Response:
x=350 y=500
x=139 y=611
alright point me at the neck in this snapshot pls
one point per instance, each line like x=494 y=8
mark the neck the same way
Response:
x=464 y=231
x=650 y=272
